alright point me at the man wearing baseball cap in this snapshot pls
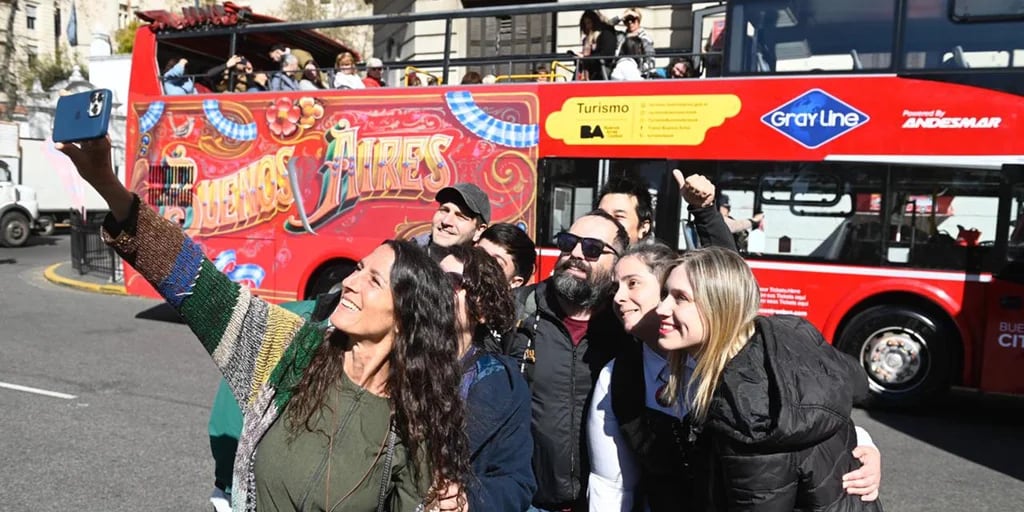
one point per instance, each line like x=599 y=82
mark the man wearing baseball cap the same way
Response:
x=463 y=212
x=374 y=73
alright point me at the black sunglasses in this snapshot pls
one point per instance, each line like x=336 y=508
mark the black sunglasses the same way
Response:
x=630 y=19
x=457 y=279
x=592 y=247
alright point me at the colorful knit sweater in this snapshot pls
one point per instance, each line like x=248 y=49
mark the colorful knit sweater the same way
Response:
x=261 y=349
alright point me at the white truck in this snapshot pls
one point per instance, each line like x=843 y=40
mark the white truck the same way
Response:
x=19 y=211
x=57 y=184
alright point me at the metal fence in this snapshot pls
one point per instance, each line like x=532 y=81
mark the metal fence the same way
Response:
x=89 y=255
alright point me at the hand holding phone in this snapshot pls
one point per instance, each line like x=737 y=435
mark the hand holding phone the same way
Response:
x=82 y=116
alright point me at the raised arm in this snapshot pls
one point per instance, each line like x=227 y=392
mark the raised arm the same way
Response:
x=699 y=194
x=245 y=335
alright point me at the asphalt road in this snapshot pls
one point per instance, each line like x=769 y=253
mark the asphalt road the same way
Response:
x=134 y=435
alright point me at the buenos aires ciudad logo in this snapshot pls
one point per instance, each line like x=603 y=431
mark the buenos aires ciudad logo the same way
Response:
x=814 y=118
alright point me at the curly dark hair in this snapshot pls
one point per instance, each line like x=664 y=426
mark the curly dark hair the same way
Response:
x=488 y=295
x=424 y=371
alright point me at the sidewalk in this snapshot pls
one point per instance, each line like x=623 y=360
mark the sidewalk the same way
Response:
x=65 y=275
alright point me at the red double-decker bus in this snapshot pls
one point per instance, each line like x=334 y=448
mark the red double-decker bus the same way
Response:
x=881 y=139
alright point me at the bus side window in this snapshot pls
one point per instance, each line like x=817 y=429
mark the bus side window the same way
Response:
x=567 y=188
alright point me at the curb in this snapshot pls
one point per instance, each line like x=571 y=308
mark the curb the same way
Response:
x=109 y=289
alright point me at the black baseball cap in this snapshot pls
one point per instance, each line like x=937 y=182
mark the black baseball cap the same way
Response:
x=469 y=198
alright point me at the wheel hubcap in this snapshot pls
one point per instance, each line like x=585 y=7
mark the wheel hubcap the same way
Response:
x=894 y=356
x=15 y=231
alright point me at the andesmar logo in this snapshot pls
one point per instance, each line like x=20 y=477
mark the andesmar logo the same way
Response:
x=814 y=118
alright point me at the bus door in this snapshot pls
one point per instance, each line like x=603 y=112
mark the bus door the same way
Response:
x=1003 y=345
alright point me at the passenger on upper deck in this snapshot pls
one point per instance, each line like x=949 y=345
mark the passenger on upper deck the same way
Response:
x=237 y=68
x=627 y=67
x=599 y=40
x=345 y=76
x=631 y=18
x=283 y=80
x=175 y=81
x=311 y=79
x=374 y=73
x=278 y=51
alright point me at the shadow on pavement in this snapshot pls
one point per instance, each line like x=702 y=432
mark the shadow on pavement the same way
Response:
x=8 y=261
x=954 y=423
x=41 y=240
x=161 y=313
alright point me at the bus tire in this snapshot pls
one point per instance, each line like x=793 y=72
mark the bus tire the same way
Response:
x=325 y=279
x=906 y=353
x=14 y=229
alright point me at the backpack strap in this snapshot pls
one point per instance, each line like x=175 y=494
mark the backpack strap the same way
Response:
x=526 y=323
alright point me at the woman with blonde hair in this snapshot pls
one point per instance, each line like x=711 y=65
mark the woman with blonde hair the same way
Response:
x=769 y=398
x=345 y=74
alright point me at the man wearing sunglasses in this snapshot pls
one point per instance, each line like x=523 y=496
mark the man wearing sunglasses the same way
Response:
x=631 y=18
x=563 y=339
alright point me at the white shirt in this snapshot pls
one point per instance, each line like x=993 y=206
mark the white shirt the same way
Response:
x=343 y=81
x=613 y=468
x=626 y=69
x=614 y=472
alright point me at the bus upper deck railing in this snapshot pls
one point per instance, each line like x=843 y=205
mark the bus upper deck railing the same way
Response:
x=446 y=62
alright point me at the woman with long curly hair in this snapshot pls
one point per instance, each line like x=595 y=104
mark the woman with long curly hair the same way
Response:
x=362 y=415
x=497 y=397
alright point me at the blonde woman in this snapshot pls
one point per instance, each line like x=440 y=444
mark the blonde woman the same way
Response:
x=769 y=398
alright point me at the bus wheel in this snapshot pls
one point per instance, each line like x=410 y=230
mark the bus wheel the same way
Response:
x=14 y=229
x=906 y=354
x=328 y=277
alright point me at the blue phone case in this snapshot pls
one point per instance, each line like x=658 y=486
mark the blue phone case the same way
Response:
x=82 y=116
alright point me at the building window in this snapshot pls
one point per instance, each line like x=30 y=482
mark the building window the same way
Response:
x=32 y=52
x=30 y=17
x=123 y=15
x=516 y=36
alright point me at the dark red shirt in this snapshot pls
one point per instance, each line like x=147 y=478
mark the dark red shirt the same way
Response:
x=577 y=329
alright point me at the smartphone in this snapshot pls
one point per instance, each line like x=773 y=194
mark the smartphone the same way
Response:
x=82 y=116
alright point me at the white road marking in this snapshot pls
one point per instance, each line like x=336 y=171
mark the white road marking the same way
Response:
x=37 y=391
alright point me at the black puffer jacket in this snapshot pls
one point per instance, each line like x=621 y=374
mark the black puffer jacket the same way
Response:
x=561 y=377
x=778 y=436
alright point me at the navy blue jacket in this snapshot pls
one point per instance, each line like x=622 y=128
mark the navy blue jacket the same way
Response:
x=498 y=419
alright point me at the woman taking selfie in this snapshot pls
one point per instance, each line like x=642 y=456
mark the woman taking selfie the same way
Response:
x=769 y=399
x=497 y=397
x=360 y=416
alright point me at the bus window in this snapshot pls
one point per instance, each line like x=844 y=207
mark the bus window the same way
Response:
x=943 y=218
x=933 y=40
x=1015 y=246
x=778 y=36
x=569 y=188
x=816 y=218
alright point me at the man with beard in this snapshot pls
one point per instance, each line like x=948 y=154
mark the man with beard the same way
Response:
x=561 y=346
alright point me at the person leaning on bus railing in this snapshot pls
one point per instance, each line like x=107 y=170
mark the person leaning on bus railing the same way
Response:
x=174 y=79
x=278 y=51
x=374 y=73
x=388 y=358
x=513 y=249
x=463 y=213
x=237 y=68
x=312 y=79
x=769 y=398
x=345 y=74
x=283 y=80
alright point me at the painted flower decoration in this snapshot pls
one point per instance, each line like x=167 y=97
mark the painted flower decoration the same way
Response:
x=311 y=110
x=282 y=116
